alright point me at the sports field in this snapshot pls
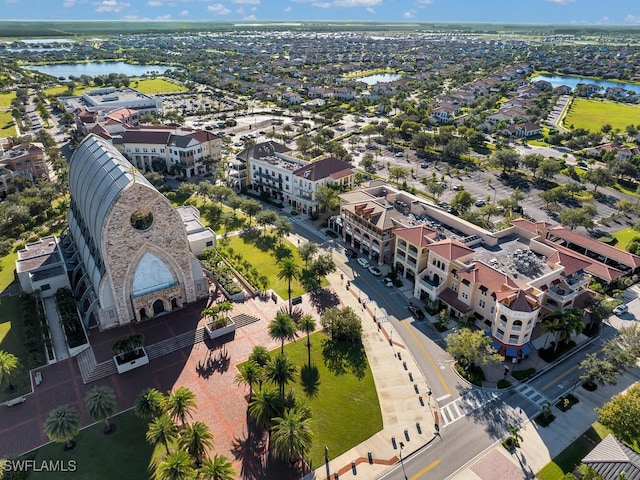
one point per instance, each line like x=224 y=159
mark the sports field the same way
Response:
x=593 y=114
x=154 y=86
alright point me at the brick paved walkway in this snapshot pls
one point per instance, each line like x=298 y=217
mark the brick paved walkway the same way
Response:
x=208 y=368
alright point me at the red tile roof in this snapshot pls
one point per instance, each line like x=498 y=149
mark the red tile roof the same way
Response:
x=620 y=256
x=415 y=235
x=450 y=249
x=323 y=168
x=596 y=268
x=487 y=277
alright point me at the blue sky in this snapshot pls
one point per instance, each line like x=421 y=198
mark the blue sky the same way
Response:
x=609 y=12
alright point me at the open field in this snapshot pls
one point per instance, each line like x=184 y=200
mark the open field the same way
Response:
x=63 y=90
x=154 y=86
x=7 y=124
x=7 y=274
x=593 y=114
x=12 y=341
x=6 y=98
x=122 y=454
x=339 y=375
x=624 y=237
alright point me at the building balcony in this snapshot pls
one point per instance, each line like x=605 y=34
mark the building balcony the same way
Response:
x=432 y=285
x=578 y=282
x=562 y=295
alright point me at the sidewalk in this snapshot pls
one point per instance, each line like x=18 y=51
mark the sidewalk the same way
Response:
x=408 y=412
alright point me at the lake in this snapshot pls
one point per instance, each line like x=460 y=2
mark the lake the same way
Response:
x=379 y=78
x=93 y=69
x=572 y=81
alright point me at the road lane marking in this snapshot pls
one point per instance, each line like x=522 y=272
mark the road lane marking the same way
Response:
x=433 y=364
x=425 y=469
x=560 y=377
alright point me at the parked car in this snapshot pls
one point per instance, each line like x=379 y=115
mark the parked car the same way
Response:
x=458 y=187
x=424 y=165
x=416 y=312
x=375 y=271
x=351 y=253
x=399 y=155
x=388 y=282
x=620 y=309
x=363 y=262
x=480 y=203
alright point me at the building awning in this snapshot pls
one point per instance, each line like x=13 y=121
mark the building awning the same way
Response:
x=525 y=349
x=496 y=346
x=511 y=352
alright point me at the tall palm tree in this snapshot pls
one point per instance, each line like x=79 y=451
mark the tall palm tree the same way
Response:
x=62 y=424
x=100 y=403
x=266 y=405
x=281 y=371
x=292 y=437
x=514 y=434
x=282 y=328
x=260 y=355
x=176 y=466
x=307 y=324
x=250 y=373
x=307 y=251
x=162 y=430
x=149 y=404
x=570 y=321
x=288 y=270
x=283 y=228
x=220 y=468
x=196 y=439
x=9 y=365
x=550 y=325
x=180 y=404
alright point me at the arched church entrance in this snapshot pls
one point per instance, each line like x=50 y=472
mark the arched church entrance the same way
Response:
x=158 y=307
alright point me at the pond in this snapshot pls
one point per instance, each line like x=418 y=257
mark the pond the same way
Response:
x=572 y=81
x=94 y=69
x=379 y=78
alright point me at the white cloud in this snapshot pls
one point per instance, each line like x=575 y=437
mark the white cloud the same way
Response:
x=287 y=10
x=560 y=2
x=240 y=11
x=69 y=3
x=632 y=19
x=184 y=13
x=409 y=13
x=356 y=3
x=322 y=4
x=425 y=2
x=218 y=9
x=164 y=17
x=250 y=17
x=604 y=21
x=111 y=6
x=371 y=10
x=250 y=2
x=154 y=3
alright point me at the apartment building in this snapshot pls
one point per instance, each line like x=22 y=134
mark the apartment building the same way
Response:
x=27 y=160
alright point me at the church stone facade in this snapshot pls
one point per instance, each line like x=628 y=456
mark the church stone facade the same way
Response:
x=127 y=245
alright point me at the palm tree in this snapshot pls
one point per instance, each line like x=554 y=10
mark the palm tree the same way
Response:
x=550 y=325
x=307 y=324
x=100 y=402
x=283 y=227
x=282 y=328
x=176 y=466
x=280 y=370
x=260 y=355
x=220 y=468
x=62 y=424
x=195 y=439
x=180 y=404
x=150 y=403
x=292 y=437
x=9 y=365
x=514 y=434
x=570 y=321
x=162 y=430
x=307 y=251
x=289 y=270
x=266 y=405
x=250 y=373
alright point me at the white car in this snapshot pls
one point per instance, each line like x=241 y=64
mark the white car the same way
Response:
x=363 y=262
x=620 y=309
x=375 y=271
x=388 y=282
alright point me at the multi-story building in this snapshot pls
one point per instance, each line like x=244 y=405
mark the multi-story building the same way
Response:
x=328 y=171
x=110 y=98
x=27 y=160
x=237 y=168
x=273 y=174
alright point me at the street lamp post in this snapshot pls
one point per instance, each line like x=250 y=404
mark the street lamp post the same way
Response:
x=402 y=461
x=326 y=462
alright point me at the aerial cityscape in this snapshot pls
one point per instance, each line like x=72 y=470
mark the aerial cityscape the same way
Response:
x=368 y=239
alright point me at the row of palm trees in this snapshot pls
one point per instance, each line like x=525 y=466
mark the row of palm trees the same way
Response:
x=186 y=461
x=63 y=422
x=563 y=324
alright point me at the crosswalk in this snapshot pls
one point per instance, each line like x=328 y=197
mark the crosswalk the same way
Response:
x=464 y=405
x=531 y=394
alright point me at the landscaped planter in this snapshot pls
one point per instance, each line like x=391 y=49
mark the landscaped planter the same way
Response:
x=220 y=331
x=565 y=403
x=131 y=360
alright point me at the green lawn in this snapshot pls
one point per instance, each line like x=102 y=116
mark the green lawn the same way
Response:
x=64 y=90
x=624 y=237
x=123 y=454
x=571 y=456
x=7 y=273
x=153 y=86
x=12 y=341
x=7 y=124
x=339 y=376
x=258 y=249
x=593 y=114
x=6 y=98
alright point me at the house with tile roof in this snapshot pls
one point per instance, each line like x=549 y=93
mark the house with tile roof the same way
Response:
x=611 y=458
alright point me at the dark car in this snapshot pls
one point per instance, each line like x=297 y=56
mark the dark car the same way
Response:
x=351 y=254
x=416 y=312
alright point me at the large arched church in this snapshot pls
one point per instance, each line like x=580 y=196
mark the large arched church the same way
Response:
x=128 y=246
